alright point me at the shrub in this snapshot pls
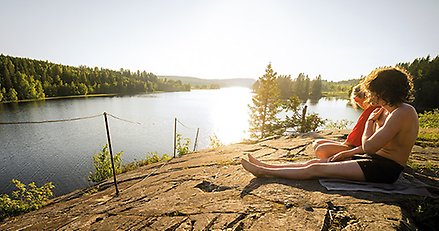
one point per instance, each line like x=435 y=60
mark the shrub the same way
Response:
x=151 y=157
x=215 y=142
x=102 y=164
x=429 y=119
x=24 y=199
x=339 y=124
x=182 y=148
x=298 y=119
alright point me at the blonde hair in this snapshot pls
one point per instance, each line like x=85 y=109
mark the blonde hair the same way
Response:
x=357 y=92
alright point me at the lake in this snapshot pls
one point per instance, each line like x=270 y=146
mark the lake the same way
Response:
x=61 y=152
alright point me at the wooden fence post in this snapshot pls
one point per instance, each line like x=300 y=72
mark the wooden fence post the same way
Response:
x=302 y=127
x=111 y=153
x=175 y=135
x=196 y=139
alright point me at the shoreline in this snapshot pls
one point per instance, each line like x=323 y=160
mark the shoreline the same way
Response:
x=60 y=97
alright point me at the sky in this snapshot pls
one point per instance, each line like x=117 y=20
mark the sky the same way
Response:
x=215 y=39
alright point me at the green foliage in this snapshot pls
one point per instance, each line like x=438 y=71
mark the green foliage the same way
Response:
x=266 y=119
x=339 y=124
x=286 y=86
x=429 y=119
x=215 y=142
x=298 y=119
x=265 y=106
x=25 y=198
x=302 y=87
x=182 y=145
x=341 y=89
x=12 y=95
x=102 y=164
x=428 y=137
x=425 y=72
x=316 y=88
x=151 y=157
x=33 y=79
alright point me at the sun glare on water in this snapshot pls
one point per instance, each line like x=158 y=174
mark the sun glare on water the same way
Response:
x=231 y=115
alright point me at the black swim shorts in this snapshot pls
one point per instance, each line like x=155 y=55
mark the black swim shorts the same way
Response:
x=378 y=169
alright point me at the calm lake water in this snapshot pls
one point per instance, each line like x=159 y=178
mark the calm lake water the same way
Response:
x=62 y=152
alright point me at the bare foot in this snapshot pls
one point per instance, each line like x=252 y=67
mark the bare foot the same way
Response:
x=252 y=168
x=254 y=161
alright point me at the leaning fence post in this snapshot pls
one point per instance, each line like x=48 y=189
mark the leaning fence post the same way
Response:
x=175 y=135
x=111 y=153
x=302 y=127
x=196 y=139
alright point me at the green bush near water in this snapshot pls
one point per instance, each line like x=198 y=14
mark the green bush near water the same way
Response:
x=151 y=157
x=102 y=164
x=24 y=199
x=182 y=145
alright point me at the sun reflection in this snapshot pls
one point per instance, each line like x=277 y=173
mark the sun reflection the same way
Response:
x=231 y=115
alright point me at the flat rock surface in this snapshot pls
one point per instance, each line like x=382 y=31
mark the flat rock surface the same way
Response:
x=209 y=190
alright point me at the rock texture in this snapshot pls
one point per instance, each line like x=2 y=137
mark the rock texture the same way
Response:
x=209 y=190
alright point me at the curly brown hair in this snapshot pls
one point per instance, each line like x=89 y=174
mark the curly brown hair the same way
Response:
x=394 y=85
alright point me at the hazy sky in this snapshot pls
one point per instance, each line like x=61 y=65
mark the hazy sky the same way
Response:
x=339 y=39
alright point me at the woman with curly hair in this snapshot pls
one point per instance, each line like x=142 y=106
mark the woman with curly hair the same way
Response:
x=324 y=148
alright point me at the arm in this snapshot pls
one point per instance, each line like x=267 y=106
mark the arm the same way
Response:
x=375 y=140
x=343 y=155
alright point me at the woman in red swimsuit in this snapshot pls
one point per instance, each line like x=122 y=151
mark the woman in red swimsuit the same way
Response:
x=389 y=136
x=324 y=149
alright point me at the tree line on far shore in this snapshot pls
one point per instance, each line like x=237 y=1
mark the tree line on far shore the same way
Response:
x=425 y=73
x=302 y=86
x=23 y=78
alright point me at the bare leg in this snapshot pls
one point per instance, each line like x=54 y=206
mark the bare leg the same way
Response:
x=303 y=164
x=328 y=149
x=348 y=170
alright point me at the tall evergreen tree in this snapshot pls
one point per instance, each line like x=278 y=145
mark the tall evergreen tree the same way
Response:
x=266 y=105
x=285 y=86
x=300 y=86
x=2 y=90
x=12 y=95
x=316 y=88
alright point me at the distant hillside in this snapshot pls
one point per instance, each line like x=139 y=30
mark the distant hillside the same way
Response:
x=236 y=82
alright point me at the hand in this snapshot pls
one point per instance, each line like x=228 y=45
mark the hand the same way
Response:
x=343 y=155
x=375 y=115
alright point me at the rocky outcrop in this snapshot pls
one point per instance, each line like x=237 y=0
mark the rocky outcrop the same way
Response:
x=209 y=190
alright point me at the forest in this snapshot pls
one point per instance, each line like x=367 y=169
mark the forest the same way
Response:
x=425 y=73
x=28 y=79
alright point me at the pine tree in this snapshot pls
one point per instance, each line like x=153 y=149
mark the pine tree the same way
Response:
x=316 y=88
x=266 y=105
x=300 y=86
x=1 y=93
x=12 y=95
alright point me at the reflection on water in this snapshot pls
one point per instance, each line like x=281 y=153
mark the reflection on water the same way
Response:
x=62 y=152
x=334 y=109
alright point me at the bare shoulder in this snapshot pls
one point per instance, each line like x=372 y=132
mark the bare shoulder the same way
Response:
x=406 y=116
x=405 y=111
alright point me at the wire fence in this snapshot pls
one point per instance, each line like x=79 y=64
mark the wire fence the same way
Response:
x=193 y=133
